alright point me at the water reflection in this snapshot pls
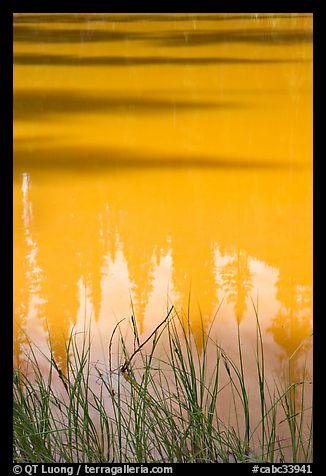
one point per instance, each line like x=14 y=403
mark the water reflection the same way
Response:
x=88 y=222
x=164 y=159
x=170 y=38
x=66 y=60
x=237 y=282
x=31 y=104
x=292 y=326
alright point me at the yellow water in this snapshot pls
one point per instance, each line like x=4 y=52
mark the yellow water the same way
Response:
x=164 y=160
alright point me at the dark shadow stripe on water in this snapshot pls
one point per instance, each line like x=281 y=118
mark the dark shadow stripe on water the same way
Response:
x=33 y=59
x=81 y=159
x=33 y=104
x=270 y=36
x=81 y=18
x=60 y=35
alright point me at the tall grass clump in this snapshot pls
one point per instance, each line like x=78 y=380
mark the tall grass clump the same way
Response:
x=160 y=403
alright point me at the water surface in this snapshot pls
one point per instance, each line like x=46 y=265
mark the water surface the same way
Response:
x=164 y=159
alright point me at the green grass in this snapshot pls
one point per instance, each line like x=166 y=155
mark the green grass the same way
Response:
x=161 y=404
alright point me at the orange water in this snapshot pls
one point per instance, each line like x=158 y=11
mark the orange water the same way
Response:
x=164 y=160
